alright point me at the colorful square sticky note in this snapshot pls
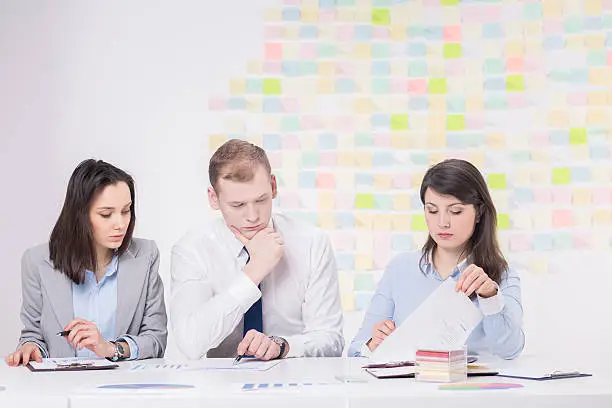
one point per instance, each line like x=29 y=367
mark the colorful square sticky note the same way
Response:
x=452 y=50
x=515 y=83
x=381 y=17
x=497 y=181
x=271 y=86
x=437 y=86
x=364 y=201
x=399 y=122
x=503 y=221
x=418 y=222
x=562 y=218
x=578 y=136
x=561 y=175
x=455 y=122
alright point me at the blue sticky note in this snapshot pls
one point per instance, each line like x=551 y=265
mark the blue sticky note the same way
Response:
x=464 y=140
x=381 y=68
x=417 y=49
x=523 y=195
x=496 y=102
x=609 y=40
x=578 y=75
x=381 y=50
x=254 y=86
x=495 y=84
x=362 y=300
x=492 y=30
x=533 y=10
x=272 y=141
x=381 y=86
x=291 y=14
x=607 y=21
x=455 y=104
x=272 y=105
x=417 y=69
x=573 y=25
x=381 y=3
x=563 y=241
x=236 y=103
x=307 y=179
x=580 y=174
x=327 y=51
x=542 y=242
x=383 y=202
x=345 y=220
x=593 y=23
x=327 y=3
x=416 y=202
x=494 y=66
x=309 y=32
x=401 y=242
x=292 y=68
x=419 y=158
x=553 y=43
x=363 y=32
x=380 y=120
x=600 y=152
x=415 y=31
x=364 y=179
x=521 y=156
x=434 y=33
x=310 y=159
x=327 y=141
x=557 y=75
x=308 y=68
x=383 y=158
x=597 y=58
x=418 y=103
x=344 y=261
x=345 y=85
x=559 y=137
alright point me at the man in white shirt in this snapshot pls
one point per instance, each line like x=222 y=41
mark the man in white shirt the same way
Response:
x=253 y=283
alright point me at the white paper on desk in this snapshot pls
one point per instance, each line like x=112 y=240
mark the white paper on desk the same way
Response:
x=443 y=321
x=227 y=364
x=70 y=362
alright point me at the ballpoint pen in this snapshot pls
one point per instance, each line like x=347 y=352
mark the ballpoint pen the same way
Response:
x=63 y=333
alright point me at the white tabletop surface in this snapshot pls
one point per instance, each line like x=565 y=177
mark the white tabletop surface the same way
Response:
x=223 y=388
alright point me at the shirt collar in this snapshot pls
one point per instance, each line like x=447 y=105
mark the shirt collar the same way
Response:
x=236 y=247
x=111 y=269
x=428 y=266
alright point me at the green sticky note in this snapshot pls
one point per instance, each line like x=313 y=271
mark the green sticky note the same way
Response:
x=381 y=86
x=363 y=139
x=399 y=122
x=497 y=181
x=290 y=123
x=533 y=10
x=383 y=202
x=578 y=136
x=597 y=58
x=364 y=201
x=561 y=175
x=418 y=222
x=503 y=221
x=310 y=159
x=515 y=83
x=381 y=17
x=417 y=69
x=437 y=86
x=420 y=159
x=455 y=122
x=381 y=51
x=494 y=66
x=363 y=281
x=452 y=50
x=449 y=2
x=272 y=86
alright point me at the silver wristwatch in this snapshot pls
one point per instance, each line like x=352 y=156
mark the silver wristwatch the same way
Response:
x=119 y=352
x=282 y=343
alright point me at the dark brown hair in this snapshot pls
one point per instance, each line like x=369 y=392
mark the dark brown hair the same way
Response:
x=236 y=160
x=462 y=180
x=71 y=246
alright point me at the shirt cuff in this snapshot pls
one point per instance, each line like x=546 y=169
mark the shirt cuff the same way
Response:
x=364 y=351
x=134 y=351
x=245 y=291
x=296 y=346
x=492 y=305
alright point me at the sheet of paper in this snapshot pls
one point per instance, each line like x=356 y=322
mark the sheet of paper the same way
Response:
x=219 y=364
x=70 y=363
x=443 y=321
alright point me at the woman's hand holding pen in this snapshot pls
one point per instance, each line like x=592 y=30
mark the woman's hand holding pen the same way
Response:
x=84 y=333
x=24 y=354
x=380 y=331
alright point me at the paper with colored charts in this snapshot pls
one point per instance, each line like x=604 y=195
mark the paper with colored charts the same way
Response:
x=71 y=364
x=443 y=321
x=209 y=364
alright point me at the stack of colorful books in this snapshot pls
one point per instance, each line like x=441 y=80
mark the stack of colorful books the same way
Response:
x=441 y=365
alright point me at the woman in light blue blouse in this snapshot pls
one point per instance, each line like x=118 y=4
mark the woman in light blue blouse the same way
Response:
x=462 y=245
x=93 y=290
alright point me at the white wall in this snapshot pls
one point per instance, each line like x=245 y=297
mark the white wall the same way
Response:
x=128 y=82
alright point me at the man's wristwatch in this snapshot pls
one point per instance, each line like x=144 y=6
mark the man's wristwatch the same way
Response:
x=119 y=352
x=282 y=343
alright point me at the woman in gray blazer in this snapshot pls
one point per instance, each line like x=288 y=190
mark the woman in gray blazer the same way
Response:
x=93 y=290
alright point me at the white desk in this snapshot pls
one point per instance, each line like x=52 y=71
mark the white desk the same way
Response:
x=221 y=389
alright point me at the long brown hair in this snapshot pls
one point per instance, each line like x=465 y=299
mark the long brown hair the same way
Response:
x=462 y=180
x=71 y=246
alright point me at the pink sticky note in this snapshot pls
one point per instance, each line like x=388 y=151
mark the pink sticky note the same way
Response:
x=520 y=243
x=562 y=196
x=562 y=218
x=553 y=27
x=452 y=33
x=533 y=64
x=602 y=196
x=326 y=180
x=328 y=158
x=343 y=240
x=606 y=4
x=215 y=104
x=583 y=240
x=381 y=139
x=345 y=32
x=417 y=86
x=290 y=105
x=311 y=122
x=490 y=12
x=273 y=32
x=577 y=98
x=540 y=139
x=542 y=196
x=517 y=100
x=345 y=68
x=474 y=122
x=274 y=51
x=610 y=58
x=327 y=15
x=290 y=142
x=344 y=123
x=402 y=181
x=291 y=2
x=380 y=33
x=272 y=67
x=399 y=85
x=455 y=69
x=515 y=64
x=308 y=51
x=345 y=201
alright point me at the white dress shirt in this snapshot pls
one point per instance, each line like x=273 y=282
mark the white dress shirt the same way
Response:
x=300 y=297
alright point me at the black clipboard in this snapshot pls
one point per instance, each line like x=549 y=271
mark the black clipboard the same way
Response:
x=555 y=375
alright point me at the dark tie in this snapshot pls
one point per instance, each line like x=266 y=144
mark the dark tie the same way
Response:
x=253 y=318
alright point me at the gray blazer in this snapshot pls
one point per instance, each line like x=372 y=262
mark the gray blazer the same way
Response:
x=47 y=301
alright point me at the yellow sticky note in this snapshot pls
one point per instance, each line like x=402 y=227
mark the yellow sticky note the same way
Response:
x=273 y=14
x=592 y=7
x=416 y=179
x=558 y=118
x=541 y=219
x=533 y=46
x=418 y=222
x=381 y=17
x=214 y=141
x=310 y=14
x=382 y=222
x=346 y=141
x=254 y=67
x=581 y=196
x=521 y=220
x=597 y=98
x=400 y=222
x=363 y=262
x=398 y=33
x=327 y=220
x=402 y=202
x=237 y=86
x=326 y=68
x=578 y=136
x=363 y=159
x=540 y=156
x=364 y=242
x=521 y=176
x=436 y=157
x=327 y=201
x=503 y=221
x=497 y=181
x=348 y=301
x=539 y=265
x=598 y=116
x=455 y=122
x=399 y=140
x=345 y=281
x=477 y=158
x=574 y=43
x=496 y=140
x=362 y=50
x=602 y=217
x=437 y=104
x=436 y=140
x=474 y=103
x=254 y=104
x=363 y=105
x=399 y=122
x=514 y=49
x=345 y=14
x=595 y=41
x=600 y=76
x=346 y=159
x=541 y=176
x=501 y=199
x=363 y=15
x=561 y=175
x=552 y=8
x=582 y=153
x=382 y=181
x=436 y=122
x=363 y=221
x=417 y=141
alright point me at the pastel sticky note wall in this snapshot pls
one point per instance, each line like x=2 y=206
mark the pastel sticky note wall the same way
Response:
x=354 y=99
